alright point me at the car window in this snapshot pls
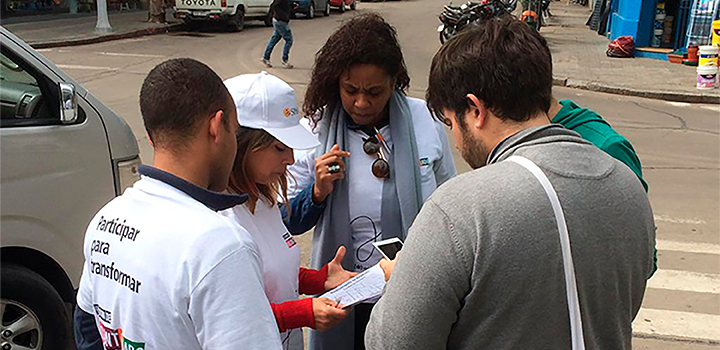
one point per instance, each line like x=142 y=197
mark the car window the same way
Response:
x=22 y=102
x=9 y=71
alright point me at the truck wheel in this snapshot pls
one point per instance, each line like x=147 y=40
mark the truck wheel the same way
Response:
x=269 y=17
x=342 y=6
x=236 y=22
x=32 y=312
x=353 y=6
x=327 y=8
x=311 y=11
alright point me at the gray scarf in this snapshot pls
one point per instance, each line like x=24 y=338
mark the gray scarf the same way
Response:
x=401 y=201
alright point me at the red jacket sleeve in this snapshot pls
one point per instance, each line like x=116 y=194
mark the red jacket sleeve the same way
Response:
x=294 y=314
x=312 y=281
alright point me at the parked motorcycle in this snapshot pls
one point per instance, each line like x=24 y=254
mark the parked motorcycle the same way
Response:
x=455 y=18
x=535 y=13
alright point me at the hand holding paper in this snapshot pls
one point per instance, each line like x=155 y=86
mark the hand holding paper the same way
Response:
x=365 y=287
x=327 y=313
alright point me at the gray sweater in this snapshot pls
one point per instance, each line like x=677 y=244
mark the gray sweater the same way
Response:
x=482 y=266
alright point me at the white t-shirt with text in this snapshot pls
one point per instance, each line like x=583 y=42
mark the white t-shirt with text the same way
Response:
x=163 y=271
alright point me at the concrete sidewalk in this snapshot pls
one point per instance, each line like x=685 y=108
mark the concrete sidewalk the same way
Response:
x=579 y=61
x=79 y=29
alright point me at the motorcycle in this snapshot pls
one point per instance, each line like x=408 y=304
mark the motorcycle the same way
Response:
x=455 y=18
x=536 y=12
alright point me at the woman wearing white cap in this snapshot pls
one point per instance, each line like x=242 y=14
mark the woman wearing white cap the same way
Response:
x=269 y=131
x=398 y=155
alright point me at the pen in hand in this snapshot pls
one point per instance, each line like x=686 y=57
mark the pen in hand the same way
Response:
x=338 y=302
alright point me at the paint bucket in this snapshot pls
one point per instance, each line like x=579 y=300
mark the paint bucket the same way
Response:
x=708 y=55
x=716 y=33
x=706 y=77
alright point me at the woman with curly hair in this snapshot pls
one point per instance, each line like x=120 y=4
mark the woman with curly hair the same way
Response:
x=380 y=158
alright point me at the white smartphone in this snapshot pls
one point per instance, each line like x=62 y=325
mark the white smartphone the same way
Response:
x=389 y=247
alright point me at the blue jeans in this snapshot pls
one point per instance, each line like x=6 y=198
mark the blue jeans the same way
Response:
x=282 y=30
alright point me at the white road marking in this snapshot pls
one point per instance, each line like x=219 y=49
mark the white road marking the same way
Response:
x=693 y=221
x=704 y=324
x=712 y=108
x=43 y=50
x=72 y=66
x=677 y=324
x=685 y=281
x=689 y=247
x=129 y=54
x=142 y=38
x=678 y=104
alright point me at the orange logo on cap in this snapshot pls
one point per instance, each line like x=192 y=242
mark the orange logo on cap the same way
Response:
x=289 y=112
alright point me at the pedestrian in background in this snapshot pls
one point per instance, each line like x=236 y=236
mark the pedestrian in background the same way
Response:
x=269 y=132
x=547 y=244
x=282 y=10
x=381 y=155
x=163 y=268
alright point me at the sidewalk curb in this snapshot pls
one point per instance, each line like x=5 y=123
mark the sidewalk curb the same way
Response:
x=654 y=94
x=110 y=37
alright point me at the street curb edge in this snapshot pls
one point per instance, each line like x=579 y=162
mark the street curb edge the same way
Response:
x=653 y=94
x=109 y=37
x=642 y=335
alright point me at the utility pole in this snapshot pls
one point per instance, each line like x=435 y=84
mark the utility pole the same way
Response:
x=103 y=24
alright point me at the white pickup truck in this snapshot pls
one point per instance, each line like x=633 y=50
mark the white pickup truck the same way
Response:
x=233 y=12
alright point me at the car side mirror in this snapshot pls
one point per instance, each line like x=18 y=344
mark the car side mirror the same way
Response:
x=68 y=103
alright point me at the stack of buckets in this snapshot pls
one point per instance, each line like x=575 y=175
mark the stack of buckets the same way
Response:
x=659 y=24
x=707 y=70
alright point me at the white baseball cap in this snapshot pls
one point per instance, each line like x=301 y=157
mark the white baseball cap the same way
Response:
x=264 y=101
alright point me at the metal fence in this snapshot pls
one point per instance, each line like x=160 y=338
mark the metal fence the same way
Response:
x=702 y=14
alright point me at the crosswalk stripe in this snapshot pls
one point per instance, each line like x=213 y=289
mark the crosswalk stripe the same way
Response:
x=124 y=54
x=672 y=220
x=685 y=281
x=689 y=247
x=677 y=324
x=72 y=66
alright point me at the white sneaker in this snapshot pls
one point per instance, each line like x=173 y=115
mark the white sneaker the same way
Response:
x=287 y=64
x=266 y=62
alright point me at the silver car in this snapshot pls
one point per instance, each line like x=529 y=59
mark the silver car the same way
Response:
x=63 y=155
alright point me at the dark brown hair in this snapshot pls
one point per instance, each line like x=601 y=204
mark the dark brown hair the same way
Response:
x=502 y=61
x=252 y=140
x=365 y=39
x=177 y=95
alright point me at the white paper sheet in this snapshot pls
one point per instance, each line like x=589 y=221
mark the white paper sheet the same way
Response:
x=365 y=287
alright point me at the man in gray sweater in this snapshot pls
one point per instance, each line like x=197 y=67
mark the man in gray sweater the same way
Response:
x=482 y=267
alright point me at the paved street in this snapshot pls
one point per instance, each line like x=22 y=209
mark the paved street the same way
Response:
x=678 y=144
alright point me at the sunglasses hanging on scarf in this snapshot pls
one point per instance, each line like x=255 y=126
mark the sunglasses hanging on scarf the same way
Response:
x=375 y=145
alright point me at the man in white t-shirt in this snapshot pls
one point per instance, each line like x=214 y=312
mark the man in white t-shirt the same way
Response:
x=163 y=269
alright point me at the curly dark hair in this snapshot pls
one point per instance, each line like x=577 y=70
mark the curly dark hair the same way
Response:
x=365 y=39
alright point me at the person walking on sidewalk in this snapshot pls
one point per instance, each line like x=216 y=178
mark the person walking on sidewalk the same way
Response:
x=281 y=23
